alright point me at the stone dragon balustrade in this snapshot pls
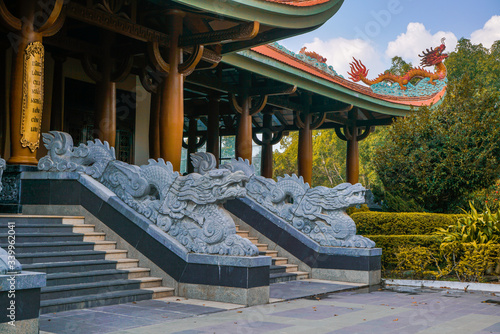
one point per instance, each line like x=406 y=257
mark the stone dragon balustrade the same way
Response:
x=317 y=212
x=188 y=208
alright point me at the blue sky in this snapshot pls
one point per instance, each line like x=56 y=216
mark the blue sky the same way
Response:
x=376 y=30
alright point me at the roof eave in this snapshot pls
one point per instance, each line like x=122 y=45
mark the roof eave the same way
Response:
x=267 y=13
x=271 y=68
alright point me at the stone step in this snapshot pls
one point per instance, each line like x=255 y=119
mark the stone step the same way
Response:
x=103 y=299
x=126 y=263
x=42 y=237
x=72 y=266
x=96 y=276
x=272 y=253
x=64 y=256
x=114 y=254
x=104 y=245
x=301 y=275
x=291 y=267
x=279 y=261
x=92 y=288
x=28 y=219
x=161 y=292
x=82 y=228
x=277 y=269
x=60 y=246
x=36 y=228
x=94 y=236
x=262 y=247
x=243 y=234
x=254 y=240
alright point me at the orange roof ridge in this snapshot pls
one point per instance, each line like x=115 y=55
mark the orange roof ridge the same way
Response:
x=281 y=54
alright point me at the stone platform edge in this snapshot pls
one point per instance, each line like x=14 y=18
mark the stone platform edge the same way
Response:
x=465 y=286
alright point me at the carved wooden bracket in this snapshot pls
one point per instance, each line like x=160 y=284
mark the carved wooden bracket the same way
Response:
x=256 y=107
x=348 y=135
x=122 y=69
x=316 y=122
x=275 y=139
x=50 y=27
x=185 y=68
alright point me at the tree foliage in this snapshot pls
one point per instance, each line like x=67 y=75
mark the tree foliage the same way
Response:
x=439 y=157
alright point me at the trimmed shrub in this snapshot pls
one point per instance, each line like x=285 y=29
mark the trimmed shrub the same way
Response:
x=401 y=223
x=390 y=245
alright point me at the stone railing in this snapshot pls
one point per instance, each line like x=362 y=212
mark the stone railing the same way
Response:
x=188 y=208
x=319 y=212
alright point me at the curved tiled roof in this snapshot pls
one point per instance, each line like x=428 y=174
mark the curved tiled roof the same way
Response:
x=299 y=3
x=321 y=70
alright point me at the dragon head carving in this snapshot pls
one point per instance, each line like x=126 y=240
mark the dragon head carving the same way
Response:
x=215 y=186
x=435 y=56
x=340 y=197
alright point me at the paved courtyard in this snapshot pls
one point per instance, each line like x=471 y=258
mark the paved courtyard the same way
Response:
x=401 y=310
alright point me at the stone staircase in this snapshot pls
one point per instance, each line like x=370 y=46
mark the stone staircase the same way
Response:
x=281 y=270
x=83 y=268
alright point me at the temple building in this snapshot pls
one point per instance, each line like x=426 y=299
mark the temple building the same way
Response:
x=151 y=77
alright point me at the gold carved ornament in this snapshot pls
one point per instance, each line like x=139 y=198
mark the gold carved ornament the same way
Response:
x=32 y=104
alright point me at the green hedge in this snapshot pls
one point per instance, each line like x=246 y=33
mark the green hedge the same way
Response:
x=391 y=243
x=400 y=223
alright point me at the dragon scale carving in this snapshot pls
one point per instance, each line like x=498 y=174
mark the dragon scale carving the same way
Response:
x=188 y=208
x=317 y=212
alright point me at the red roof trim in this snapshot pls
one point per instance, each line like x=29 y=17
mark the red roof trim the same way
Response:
x=271 y=52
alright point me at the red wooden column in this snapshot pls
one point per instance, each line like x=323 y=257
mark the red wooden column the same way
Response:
x=154 y=126
x=108 y=72
x=26 y=90
x=172 y=100
x=307 y=122
x=353 y=135
x=244 y=135
x=270 y=137
x=352 y=162
x=305 y=152
x=105 y=120
x=213 y=141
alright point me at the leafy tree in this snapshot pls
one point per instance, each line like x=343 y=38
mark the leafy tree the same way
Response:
x=438 y=157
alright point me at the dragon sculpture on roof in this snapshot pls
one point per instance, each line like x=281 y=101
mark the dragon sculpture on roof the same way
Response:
x=432 y=57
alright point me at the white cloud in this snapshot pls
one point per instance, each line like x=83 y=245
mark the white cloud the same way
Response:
x=410 y=44
x=339 y=52
x=489 y=34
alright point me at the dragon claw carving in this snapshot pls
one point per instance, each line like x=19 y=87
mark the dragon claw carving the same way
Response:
x=188 y=208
